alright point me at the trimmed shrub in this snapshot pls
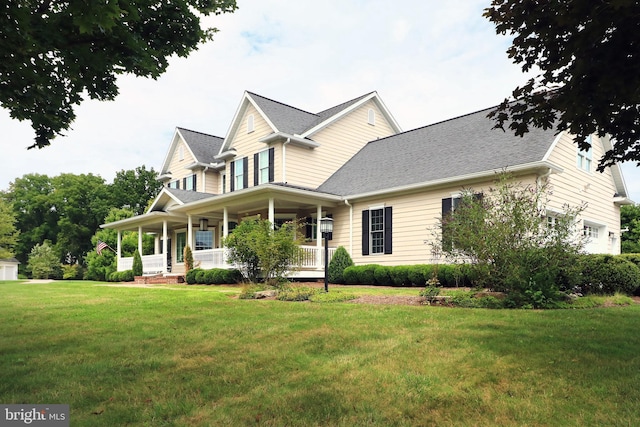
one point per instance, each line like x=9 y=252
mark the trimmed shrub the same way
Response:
x=337 y=265
x=191 y=275
x=350 y=275
x=400 y=275
x=608 y=274
x=232 y=276
x=121 y=276
x=188 y=259
x=381 y=275
x=419 y=274
x=209 y=277
x=137 y=264
x=200 y=276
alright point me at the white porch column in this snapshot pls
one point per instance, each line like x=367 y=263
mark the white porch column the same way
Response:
x=272 y=213
x=225 y=219
x=319 y=263
x=118 y=250
x=164 y=246
x=140 y=240
x=190 y=233
x=156 y=244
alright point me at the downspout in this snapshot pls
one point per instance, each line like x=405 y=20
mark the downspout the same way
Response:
x=204 y=179
x=346 y=202
x=284 y=160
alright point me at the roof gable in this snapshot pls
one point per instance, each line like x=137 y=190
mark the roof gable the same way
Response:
x=461 y=146
x=201 y=146
x=172 y=196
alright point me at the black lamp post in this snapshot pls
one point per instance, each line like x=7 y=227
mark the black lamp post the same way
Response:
x=326 y=227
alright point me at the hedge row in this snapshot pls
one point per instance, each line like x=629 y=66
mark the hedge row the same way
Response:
x=449 y=275
x=121 y=276
x=604 y=274
x=214 y=276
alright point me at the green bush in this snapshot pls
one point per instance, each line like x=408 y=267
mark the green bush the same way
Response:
x=200 y=276
x=608 y=274
x=350 y=275
x=191 y=275
x=337 y=265
x=381 y=275
x=232 y=276
x=419 y=274
x=400 y=275
x=209 y=277
x=137 y=264
x=121 y=276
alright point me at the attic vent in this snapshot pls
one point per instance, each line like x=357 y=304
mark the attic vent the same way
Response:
x=372 y=117
x=181 y=153
x=250 y=127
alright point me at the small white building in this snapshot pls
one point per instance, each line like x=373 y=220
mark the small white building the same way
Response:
x=9 y=269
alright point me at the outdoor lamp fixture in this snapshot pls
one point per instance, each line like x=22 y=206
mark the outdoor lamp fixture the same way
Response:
x=326 y=227
x=204 y=224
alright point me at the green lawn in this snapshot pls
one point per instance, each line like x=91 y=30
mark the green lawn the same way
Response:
x=195 y=356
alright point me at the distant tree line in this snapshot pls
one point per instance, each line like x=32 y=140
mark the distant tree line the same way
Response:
x=65 y=212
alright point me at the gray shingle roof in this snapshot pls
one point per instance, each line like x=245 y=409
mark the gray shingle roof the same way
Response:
x=292 y=120
x=456 y=147
x=186 y=196
x=203 y=146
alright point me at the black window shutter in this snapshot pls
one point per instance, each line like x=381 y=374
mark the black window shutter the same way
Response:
x=256 y=169
x=245 y=162
x=195 y=188
x=308 y=228
x=388 y=228
x=365 y=232
x=446 y=206
x=184 y=183
x=232 y=176
x=271 y=164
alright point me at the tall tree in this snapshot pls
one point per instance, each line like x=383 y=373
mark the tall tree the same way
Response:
x=8 y=232
x=588 y=56
x=81 y=202
x=52 y=53
x=36 y=217
x=134 y=188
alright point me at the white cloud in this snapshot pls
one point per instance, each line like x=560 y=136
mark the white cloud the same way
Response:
x=429 y=61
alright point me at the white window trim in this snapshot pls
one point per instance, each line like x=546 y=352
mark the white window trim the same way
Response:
x=181 y=153
x=371 y=117
x=373 y=208
x=584 y=159
x=236 y=175
x=260 y=168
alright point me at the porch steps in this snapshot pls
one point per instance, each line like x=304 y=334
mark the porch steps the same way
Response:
x=158 y=279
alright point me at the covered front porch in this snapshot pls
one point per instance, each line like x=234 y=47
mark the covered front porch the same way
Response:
x=204 y=223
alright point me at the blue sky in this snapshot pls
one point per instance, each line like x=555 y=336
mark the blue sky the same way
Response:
x=428 y=60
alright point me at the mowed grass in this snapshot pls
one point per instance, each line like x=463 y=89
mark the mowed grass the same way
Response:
x=195 y=356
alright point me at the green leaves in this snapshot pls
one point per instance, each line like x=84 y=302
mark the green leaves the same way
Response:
x=52 y=53
x=588 y=83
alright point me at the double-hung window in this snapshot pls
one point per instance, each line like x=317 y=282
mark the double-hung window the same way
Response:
x=189 y=183
x=585 y=157
x=174 y=184
x=377 y=231
x=204 y=240
x=263 y=167
x=239 y=177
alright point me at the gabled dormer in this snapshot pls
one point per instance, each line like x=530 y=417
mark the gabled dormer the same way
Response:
x=190 y=162
x=273 y=142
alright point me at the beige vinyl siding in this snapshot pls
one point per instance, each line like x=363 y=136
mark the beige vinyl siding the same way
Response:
x=338 y=143
x=247 y=144
x=177 y=166
x=212 y=182
x=575 y=186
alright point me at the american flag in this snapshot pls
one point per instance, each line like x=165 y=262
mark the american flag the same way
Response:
x=100 y=246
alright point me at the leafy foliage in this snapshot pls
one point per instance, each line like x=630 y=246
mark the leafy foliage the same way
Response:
x=607 y=274
x=506 y=238
x=43 y=261
x=8 y=233
x=263 y=252
x=137 y=264
x=340 y=260
x=589 y=74
x=53 y=53
x=630 y=220
x=188 y=259
x=133 y=189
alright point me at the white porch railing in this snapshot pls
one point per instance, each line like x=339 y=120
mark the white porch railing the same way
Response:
x=216 y=258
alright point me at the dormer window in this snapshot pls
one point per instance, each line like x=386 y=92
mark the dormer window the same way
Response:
x=250 y=126
x=372 y=117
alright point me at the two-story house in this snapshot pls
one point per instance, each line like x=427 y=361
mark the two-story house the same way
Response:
x=385 y=189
